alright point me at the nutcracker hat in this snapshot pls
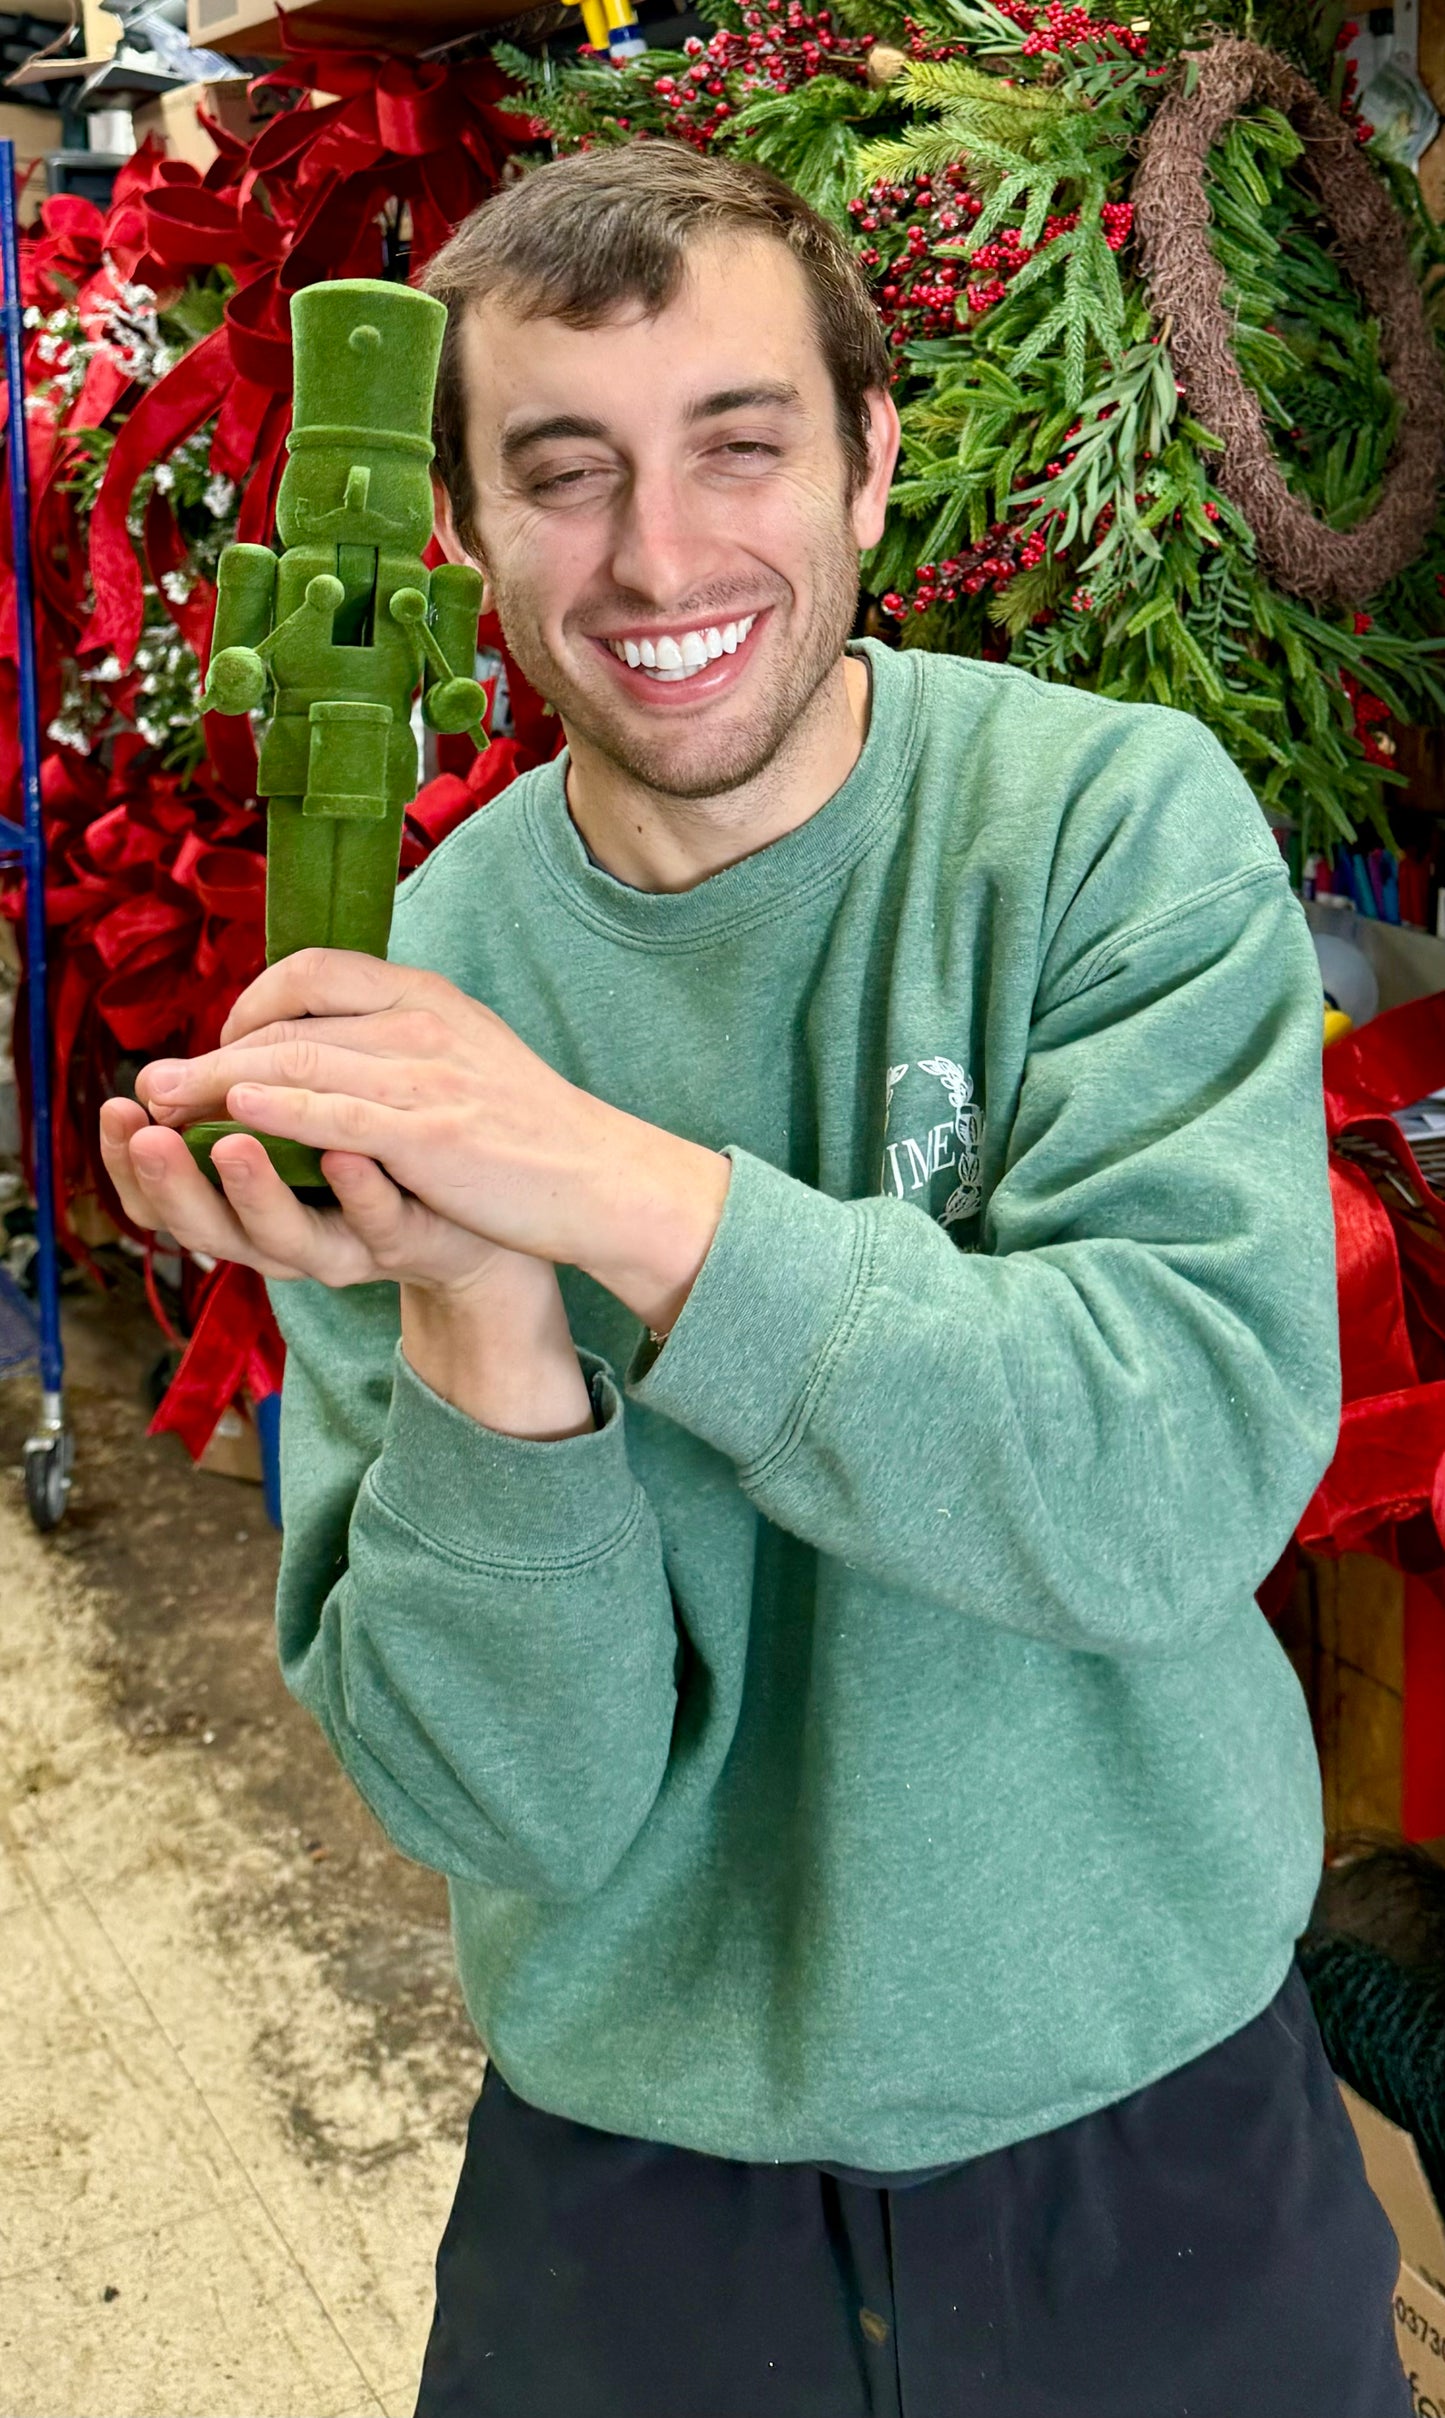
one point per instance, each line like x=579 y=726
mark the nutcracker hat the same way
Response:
x=365 y=362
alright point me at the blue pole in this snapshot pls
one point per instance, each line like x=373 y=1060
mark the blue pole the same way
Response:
x=33 y=848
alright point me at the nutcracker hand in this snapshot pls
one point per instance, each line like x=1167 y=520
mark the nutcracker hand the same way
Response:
x=455 y=705
x=236 y=681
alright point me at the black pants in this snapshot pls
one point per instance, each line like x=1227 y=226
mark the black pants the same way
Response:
x=1208 y=2248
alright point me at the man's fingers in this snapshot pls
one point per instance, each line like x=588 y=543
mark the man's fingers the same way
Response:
x=178 y=1090
x=324 y=982
x=387 y=1033
x=326 y=1120
x=119 y=1120
x=371 y=1203
x=292 y=1239
x=255 y=1220
x=168 y=1189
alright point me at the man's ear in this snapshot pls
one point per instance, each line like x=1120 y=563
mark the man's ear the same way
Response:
x=451 y=544
x=869 y=507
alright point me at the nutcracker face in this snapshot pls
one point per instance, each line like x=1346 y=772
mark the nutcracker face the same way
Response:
x=359 y=472
x=355 y=495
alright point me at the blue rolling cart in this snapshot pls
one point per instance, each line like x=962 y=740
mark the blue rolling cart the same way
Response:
x=28 y=1330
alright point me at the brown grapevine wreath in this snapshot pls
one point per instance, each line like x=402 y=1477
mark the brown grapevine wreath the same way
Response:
x=1186 y=289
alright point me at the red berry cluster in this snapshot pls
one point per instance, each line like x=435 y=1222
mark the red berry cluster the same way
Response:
x=781 y=45
x=1057 y=28
x=917 y=294
x=1002 y=555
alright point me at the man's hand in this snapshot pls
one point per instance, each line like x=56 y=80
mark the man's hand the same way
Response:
x=357 y=1056
x=486 y=1328
x=257 y=1220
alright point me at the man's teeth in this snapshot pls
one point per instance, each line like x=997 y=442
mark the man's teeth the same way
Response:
x=678 y=658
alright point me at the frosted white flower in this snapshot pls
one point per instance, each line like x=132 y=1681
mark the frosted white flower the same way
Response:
x=164 y=360
x=68 y=734
x=165 y=477
x=219 y=496
x=32 y=316
x=176 y=585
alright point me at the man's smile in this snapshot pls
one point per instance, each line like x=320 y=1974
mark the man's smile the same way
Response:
x=676 y=655
x=705 y=656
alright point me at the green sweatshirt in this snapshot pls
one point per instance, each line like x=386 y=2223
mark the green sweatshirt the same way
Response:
x=865 y=1747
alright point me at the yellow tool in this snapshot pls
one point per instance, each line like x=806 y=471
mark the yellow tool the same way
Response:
x=612 y=26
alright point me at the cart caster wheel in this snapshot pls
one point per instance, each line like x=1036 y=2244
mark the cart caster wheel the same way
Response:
x=47 y=1478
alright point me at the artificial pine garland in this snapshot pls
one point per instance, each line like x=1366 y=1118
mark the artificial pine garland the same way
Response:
x=1058 y=501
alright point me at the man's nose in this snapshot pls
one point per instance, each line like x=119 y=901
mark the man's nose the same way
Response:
x=664 y=542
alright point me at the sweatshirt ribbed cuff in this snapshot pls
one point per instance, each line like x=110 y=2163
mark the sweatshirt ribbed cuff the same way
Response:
x=491 y=1498
x=759 y=1329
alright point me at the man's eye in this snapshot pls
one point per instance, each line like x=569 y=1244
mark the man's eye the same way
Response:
x=558 y=480
x=750 y=449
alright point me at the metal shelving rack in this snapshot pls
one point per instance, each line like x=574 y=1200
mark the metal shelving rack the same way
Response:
x=49 y=1452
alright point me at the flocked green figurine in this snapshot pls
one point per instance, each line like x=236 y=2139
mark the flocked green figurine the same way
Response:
x=344 y=627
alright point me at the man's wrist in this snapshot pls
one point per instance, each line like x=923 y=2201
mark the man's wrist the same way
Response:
x=661 y=1202
x=501 y=1351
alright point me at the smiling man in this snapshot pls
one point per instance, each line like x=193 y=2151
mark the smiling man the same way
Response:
x=823 y=1335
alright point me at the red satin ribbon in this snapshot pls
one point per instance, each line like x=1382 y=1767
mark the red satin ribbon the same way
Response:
x=1384 y=1491
x=235 y=1349
x=172 y=411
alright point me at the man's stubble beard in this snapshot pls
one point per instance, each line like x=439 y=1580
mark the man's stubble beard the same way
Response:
x=777 y=720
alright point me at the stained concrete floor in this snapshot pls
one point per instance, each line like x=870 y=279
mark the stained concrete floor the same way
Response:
x=234 y=2073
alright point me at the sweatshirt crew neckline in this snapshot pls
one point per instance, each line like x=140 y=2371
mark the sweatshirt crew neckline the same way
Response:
x=770 y=881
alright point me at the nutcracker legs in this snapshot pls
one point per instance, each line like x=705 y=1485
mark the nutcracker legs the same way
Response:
x=329 y=879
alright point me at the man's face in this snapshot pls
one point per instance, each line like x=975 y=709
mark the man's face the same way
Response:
x=664 y=519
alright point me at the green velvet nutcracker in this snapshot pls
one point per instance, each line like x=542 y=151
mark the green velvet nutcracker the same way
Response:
x=345 y=627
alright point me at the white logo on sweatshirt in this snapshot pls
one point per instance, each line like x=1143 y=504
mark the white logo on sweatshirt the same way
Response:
x=951 y=1146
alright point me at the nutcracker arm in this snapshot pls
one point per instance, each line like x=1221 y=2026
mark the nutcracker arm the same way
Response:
x=237 y=678
x=452 y=700
x=245 y=598
x=456 y=605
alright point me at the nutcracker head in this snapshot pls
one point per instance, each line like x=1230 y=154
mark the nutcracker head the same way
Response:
x=359 y=472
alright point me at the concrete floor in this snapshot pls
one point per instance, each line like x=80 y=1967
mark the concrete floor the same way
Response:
x=217 y=2194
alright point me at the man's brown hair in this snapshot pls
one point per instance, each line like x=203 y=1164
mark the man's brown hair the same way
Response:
x=579 y=238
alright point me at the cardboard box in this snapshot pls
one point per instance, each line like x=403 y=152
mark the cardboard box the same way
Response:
x=172 y=118
x=1397 y=2179
x=33 y=132
x=234 y=1450
x=255 y=25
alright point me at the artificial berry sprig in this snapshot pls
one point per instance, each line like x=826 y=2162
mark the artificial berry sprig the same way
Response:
x=1003 y=553
x=781 y=45
x=916 y=290
x=1057 y=29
